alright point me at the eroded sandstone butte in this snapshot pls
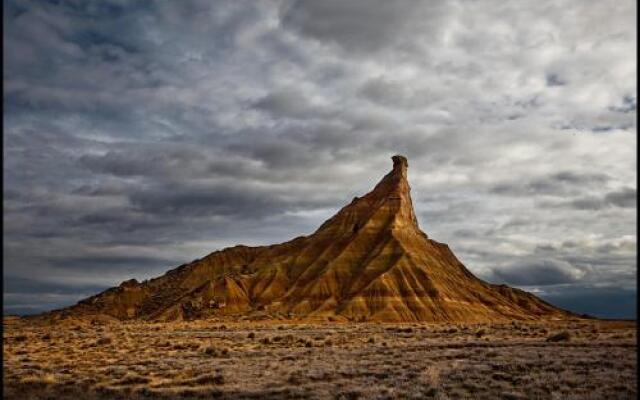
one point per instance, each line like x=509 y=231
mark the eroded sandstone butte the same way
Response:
x=370 y=261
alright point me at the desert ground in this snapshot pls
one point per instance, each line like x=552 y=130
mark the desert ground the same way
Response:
x=585 y=359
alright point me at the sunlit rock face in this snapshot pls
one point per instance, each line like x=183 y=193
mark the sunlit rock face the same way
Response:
x=369 y=262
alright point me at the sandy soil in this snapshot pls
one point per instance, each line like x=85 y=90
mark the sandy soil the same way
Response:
x=283 y=360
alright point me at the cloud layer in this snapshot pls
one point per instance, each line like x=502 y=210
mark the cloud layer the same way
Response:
x=141 y=135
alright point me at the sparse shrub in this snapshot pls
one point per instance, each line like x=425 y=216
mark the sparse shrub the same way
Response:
x=251 y=335
x=328 y=342
x=452 y=330
x=563 y=336
x=216 y=379
x=104 y=341
x=371 y=340
x=295 y=378
x=381 y=375
x=349 y=395
x=20 y=338
x=617 y=336
x=501 y=376
x=431 y=392
x=480 y=333
x=431 y=376
x=215 y=351
x=511 y=396
x=133 y=380
x=46 y=336
x=265 y=340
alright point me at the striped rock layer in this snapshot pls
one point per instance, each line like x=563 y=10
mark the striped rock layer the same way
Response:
x=369 y=262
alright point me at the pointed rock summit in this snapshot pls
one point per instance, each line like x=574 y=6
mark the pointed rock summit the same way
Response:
x=369 y=262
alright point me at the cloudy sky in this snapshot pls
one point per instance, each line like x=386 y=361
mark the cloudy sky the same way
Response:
x=139 y=135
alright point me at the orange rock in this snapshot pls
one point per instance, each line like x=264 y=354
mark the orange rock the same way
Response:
x=370 y=261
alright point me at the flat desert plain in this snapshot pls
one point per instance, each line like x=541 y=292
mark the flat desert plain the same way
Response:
x=586 y=359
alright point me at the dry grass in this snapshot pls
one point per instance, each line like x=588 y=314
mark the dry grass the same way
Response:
x=205 y=359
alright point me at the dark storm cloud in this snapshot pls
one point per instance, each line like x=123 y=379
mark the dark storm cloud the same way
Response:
x=625 y=198
x=388 y=93
x=622 y=198
x=554 y=80
x=106 y=262
x=125 y=222
x=32 y=296
x=587 y=203
x=628 y=104
x=539 y=272
x=149 y=161
x=140 y=135
x=227 y=200
x=560 y=183
x=362 y=25
x=600 y=302
x=290 y=104
x=23 y=285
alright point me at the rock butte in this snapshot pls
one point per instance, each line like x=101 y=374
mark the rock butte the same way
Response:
x=369 y=262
